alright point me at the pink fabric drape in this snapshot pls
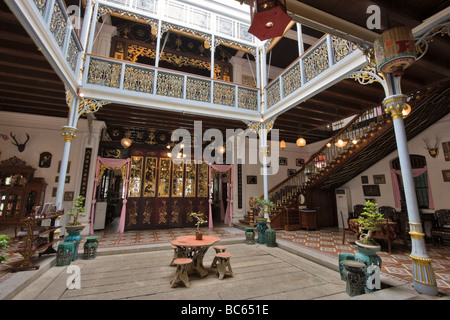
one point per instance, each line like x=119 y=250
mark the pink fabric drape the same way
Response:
x=229 y=211
x=112 y=163
x=415 y=173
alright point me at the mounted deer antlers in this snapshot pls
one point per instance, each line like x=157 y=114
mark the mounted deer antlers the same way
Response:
x=20 y=146
x=432 y=151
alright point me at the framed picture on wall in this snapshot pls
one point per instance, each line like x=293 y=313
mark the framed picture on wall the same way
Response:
x=379 y=179
x=371 y=190
x=299 y=162
x=446 y=175
x=282 y=161
x=252 y=179
x=291 y=172
x=364 y=179
x=446 y=149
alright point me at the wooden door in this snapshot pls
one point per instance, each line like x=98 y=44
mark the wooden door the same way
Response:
x=162 y=194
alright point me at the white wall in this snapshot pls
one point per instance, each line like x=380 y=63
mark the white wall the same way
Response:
x=440 y=189
x=45 y=136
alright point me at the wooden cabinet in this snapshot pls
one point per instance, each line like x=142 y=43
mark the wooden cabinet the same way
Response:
x=308 y=219
x=20 y=191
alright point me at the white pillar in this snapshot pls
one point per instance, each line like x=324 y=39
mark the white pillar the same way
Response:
x=424 y=280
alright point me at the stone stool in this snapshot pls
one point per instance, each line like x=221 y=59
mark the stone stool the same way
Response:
x=175 y=255
x=218 y=250
x=64 y=253
x=223 y=264
x=181 y=272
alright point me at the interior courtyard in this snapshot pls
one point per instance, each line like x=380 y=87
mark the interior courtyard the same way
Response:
x=269 y=137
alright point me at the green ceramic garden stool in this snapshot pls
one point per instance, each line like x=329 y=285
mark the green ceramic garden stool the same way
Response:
x=271 y=238
x=90 y=247
x=355 y=277
x=262 y=227
x=249 y=235
x=342 y=257
x=64 y=254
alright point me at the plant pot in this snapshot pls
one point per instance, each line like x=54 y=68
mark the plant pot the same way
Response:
x=198 y=236
x=367 y=254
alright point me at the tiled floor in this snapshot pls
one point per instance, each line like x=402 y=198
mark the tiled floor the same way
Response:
x=326 y=241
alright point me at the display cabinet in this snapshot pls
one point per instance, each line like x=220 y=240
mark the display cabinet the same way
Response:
x=20 y=191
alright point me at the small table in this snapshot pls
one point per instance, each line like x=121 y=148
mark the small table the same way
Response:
x=189 y=247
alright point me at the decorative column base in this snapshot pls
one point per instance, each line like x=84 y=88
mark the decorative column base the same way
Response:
x=424 y=280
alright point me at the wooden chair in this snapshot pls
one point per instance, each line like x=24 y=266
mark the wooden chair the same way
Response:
x=387 y=231
x=181 y=272
x=218 y=250
x=223 y=264
x=441 y=229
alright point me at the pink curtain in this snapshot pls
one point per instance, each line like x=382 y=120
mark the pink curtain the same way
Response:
x=229 y=211
x=415 y=173
x=112 y=163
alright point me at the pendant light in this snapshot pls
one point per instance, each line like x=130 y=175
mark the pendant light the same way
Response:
x=282 y=144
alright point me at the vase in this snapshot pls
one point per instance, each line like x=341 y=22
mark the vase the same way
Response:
x=75 y=237
x=262 y=227
x=249 y=235
x=367 y=254
x=198 y=235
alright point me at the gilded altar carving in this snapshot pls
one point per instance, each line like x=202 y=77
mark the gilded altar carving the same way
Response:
x=135 y=176
x=202 y=183
x=148 y=211
x=177 y=180
x=162 y=209
x=164 y=177
x=150 y=177
x=189 y=189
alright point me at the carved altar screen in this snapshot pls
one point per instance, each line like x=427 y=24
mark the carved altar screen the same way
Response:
x=162 y=194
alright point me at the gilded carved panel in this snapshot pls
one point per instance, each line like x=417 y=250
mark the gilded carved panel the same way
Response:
x=177 y=180
x=189 y=184
x=150 y=177
x=135 y=176
x=164 y=177
x=202 y=183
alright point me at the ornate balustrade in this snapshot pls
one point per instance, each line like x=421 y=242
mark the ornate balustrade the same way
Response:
x=58 y=27
x=321 y=57
x=128 y=77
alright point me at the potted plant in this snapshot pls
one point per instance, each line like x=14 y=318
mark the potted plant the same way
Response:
x=369 y=221
x=200 y=217
x=4 y=243
x=264 y=205
x=75 y=212
x=74 y=227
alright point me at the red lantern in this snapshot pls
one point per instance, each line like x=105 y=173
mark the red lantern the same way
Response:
x=269 y=18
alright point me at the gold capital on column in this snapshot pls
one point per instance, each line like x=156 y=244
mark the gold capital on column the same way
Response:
x=69 y=133
x=395 y=105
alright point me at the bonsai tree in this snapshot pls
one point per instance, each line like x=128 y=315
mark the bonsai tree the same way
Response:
x=4 y=242
x=263 y=204
x=200 y=217
x=369 y=221
x=77 y=211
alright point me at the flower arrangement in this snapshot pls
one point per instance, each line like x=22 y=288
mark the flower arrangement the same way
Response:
x=370 y=221
x=77 y=211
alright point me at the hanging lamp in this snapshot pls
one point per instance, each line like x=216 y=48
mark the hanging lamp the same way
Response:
x=282 y=144
x=269 y=18
x=301 y=142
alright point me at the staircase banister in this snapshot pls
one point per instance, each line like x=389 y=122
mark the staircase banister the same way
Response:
x=350 y=123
